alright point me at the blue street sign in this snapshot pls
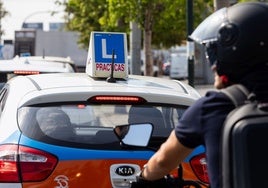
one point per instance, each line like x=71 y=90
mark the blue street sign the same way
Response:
x=105 y=44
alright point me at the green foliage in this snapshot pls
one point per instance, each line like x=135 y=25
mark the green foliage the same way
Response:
x=85 y=16
x=168 y=21
x=3 y=13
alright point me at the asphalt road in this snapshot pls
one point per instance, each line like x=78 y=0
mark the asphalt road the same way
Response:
x=202 y=89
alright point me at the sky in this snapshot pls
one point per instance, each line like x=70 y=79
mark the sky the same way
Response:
x=28 y=11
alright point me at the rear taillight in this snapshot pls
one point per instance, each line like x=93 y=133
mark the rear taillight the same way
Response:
x=199 y=166
x=23 y=72
x=24 y=164
x=117 y=99
x=8 y=164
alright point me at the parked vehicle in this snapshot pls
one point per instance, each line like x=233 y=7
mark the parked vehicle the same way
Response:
x=178 y=66
x=33 y=65
x=52 y=59
x=50 y=43
x=58 y=128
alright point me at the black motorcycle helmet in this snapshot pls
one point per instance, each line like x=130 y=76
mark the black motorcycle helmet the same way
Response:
x=236 y=39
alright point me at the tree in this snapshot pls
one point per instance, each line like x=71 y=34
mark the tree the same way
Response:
x=3 y=13
x=163 y=22
x=84 y=16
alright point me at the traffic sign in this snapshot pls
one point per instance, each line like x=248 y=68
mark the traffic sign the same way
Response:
x=106 y=44
x=105 y=49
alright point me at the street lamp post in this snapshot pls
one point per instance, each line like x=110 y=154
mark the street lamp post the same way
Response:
x=190 y=44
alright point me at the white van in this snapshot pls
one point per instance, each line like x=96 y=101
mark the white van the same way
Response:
x=178 y=66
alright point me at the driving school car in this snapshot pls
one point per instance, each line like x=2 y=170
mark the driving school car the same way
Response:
x=58 y=129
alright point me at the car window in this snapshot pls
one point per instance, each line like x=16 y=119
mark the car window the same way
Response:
x=2 y=84
x=93 y=124
x=3 y=97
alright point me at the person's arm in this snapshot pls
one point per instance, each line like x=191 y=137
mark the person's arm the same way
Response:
x=167 y=158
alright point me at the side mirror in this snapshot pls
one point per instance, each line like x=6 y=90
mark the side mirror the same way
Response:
x=134 y=134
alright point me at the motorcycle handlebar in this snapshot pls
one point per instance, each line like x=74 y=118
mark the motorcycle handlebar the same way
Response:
x=167 y=182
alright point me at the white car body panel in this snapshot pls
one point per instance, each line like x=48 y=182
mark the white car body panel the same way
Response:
x=79 y=86
x=36 y=64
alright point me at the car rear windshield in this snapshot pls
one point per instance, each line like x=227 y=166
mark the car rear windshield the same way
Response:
x=93 y=124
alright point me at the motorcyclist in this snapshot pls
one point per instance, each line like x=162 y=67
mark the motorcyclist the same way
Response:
x=236 y=43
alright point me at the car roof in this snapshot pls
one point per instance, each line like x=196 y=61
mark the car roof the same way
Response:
x=38 y=64
x=64 y=87
x=49 y=59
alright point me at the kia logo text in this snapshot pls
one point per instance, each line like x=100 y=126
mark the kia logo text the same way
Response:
x=125 y=171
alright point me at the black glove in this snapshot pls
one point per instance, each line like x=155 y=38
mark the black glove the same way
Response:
x=165 y=182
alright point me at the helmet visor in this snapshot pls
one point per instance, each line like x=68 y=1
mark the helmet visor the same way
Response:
x=207 y=30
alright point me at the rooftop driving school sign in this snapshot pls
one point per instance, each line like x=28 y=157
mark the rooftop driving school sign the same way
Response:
x=105 y=49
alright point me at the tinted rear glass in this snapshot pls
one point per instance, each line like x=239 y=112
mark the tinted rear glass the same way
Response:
x=93 y=124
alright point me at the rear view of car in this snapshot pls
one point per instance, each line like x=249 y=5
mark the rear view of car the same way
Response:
x=59 y=128
x=33 y=65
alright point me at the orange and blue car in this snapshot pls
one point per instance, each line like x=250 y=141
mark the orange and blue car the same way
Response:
x=57 y=130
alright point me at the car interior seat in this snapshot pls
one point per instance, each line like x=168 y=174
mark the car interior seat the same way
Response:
x=145 y=114
x=55 y=123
